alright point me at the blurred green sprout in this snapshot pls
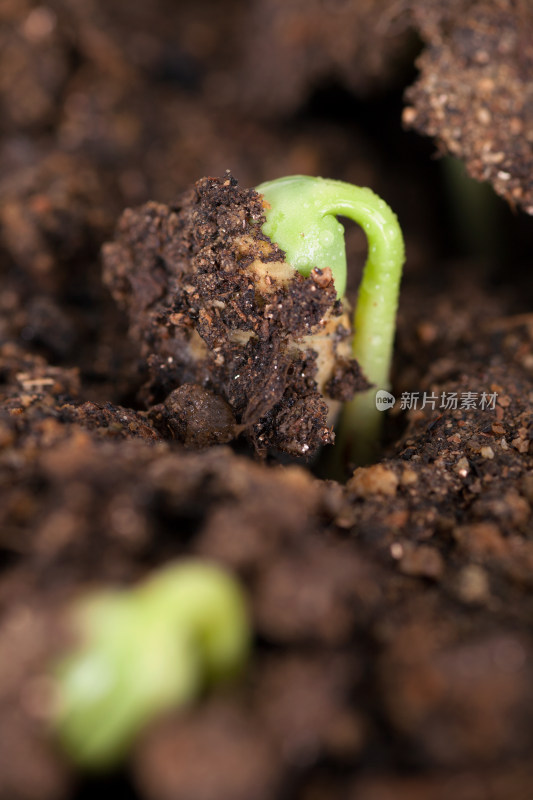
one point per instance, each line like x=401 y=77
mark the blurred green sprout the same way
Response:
x=144 y=651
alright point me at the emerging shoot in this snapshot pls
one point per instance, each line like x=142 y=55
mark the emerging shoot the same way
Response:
x=301 y=219
x=144 y=651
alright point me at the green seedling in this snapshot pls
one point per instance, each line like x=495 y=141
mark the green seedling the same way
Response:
x=144 y=651
x=301 y=218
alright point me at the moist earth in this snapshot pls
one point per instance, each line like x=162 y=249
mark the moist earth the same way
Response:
x=393 y=654
x=216 y=308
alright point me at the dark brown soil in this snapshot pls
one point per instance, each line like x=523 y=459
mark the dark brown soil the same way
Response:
x=486 y=118
x=393 y=652
x=208 y=318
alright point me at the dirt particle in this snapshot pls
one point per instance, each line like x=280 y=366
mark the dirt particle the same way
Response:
x=487 y=452
x=408 y=477
x=422 y=561
x=473 y=584
x=376 y=479
x=397 y=519
x=396 y=550
x=427 y=332
x=481 y=539
x=454 y=439
x=462 y=468
x=484 y=116
x=196 y=416
x=522 y=441
x=409 y=115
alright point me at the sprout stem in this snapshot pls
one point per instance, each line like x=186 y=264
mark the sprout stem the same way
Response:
x=301 y=219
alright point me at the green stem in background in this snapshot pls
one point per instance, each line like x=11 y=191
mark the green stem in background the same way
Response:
x=475 y=211
x=143 y=651
x=301 y=219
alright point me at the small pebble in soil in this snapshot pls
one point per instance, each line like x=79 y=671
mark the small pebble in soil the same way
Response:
x=376 y=479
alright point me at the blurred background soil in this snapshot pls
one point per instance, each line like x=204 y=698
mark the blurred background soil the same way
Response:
x=394 y=654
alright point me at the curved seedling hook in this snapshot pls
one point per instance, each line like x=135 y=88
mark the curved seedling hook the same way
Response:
x=301 y=216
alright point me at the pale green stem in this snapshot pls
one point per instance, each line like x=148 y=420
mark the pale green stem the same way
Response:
x=302 y=221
